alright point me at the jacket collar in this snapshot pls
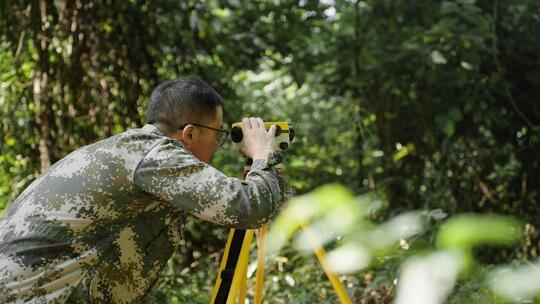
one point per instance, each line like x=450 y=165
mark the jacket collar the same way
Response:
x=153 y=130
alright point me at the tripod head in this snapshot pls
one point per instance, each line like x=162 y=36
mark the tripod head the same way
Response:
x=284 y=134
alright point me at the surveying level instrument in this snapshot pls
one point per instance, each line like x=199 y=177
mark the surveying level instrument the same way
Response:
x=231 y=282
x=284 y=134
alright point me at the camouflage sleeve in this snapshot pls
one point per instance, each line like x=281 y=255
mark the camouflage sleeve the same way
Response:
x=173 y=174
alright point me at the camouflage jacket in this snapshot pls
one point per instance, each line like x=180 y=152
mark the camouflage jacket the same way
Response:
x=100 y=225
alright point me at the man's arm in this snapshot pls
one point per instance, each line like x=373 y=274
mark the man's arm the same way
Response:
x=172 y=174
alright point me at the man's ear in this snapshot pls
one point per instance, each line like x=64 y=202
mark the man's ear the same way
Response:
x=187 y=135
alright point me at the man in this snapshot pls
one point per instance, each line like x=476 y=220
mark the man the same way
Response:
x=100 y=225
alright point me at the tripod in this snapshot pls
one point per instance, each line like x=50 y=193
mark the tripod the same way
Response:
x=231 y=281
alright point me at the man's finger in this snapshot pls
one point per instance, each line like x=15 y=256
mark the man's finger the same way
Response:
x=272 y=130
x=246 y=123
x=254 y=123
x=261 y=122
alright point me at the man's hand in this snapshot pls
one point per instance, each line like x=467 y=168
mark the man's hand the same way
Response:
x=258 y=144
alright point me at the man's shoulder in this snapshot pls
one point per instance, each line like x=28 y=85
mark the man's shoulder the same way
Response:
x=124 y=150
x=147 y=132
x=132 y=140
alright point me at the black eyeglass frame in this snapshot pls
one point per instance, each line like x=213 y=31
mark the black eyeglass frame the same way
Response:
x=221 y=139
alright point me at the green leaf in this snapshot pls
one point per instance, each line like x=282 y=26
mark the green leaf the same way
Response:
x=469 y=230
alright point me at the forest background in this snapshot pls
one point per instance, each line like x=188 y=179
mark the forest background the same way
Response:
x=422 y=105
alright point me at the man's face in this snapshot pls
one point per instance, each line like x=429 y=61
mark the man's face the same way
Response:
x=204 y=142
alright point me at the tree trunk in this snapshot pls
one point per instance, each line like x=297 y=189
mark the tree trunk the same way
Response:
x=41 y=82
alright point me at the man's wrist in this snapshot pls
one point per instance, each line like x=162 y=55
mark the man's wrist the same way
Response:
x=263 y=156
x=272 y=159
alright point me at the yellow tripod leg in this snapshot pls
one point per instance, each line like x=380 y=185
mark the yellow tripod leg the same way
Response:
x=321 y=256
x=260 y=265
x=243 y=260
x=222 y=265
x=243 y=284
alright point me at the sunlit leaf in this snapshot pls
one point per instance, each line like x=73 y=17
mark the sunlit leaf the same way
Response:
x=428 y=279
x=349 y=258
x=303 y=209
x=437 y=57
x=466 y=231
x=516 y=284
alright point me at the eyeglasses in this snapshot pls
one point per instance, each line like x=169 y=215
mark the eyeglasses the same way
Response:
x=222 y=135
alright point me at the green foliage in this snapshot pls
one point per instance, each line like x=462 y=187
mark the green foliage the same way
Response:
x=333 y=209
x=465 y=231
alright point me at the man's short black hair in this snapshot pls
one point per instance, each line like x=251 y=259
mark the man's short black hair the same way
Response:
x=183 y=100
